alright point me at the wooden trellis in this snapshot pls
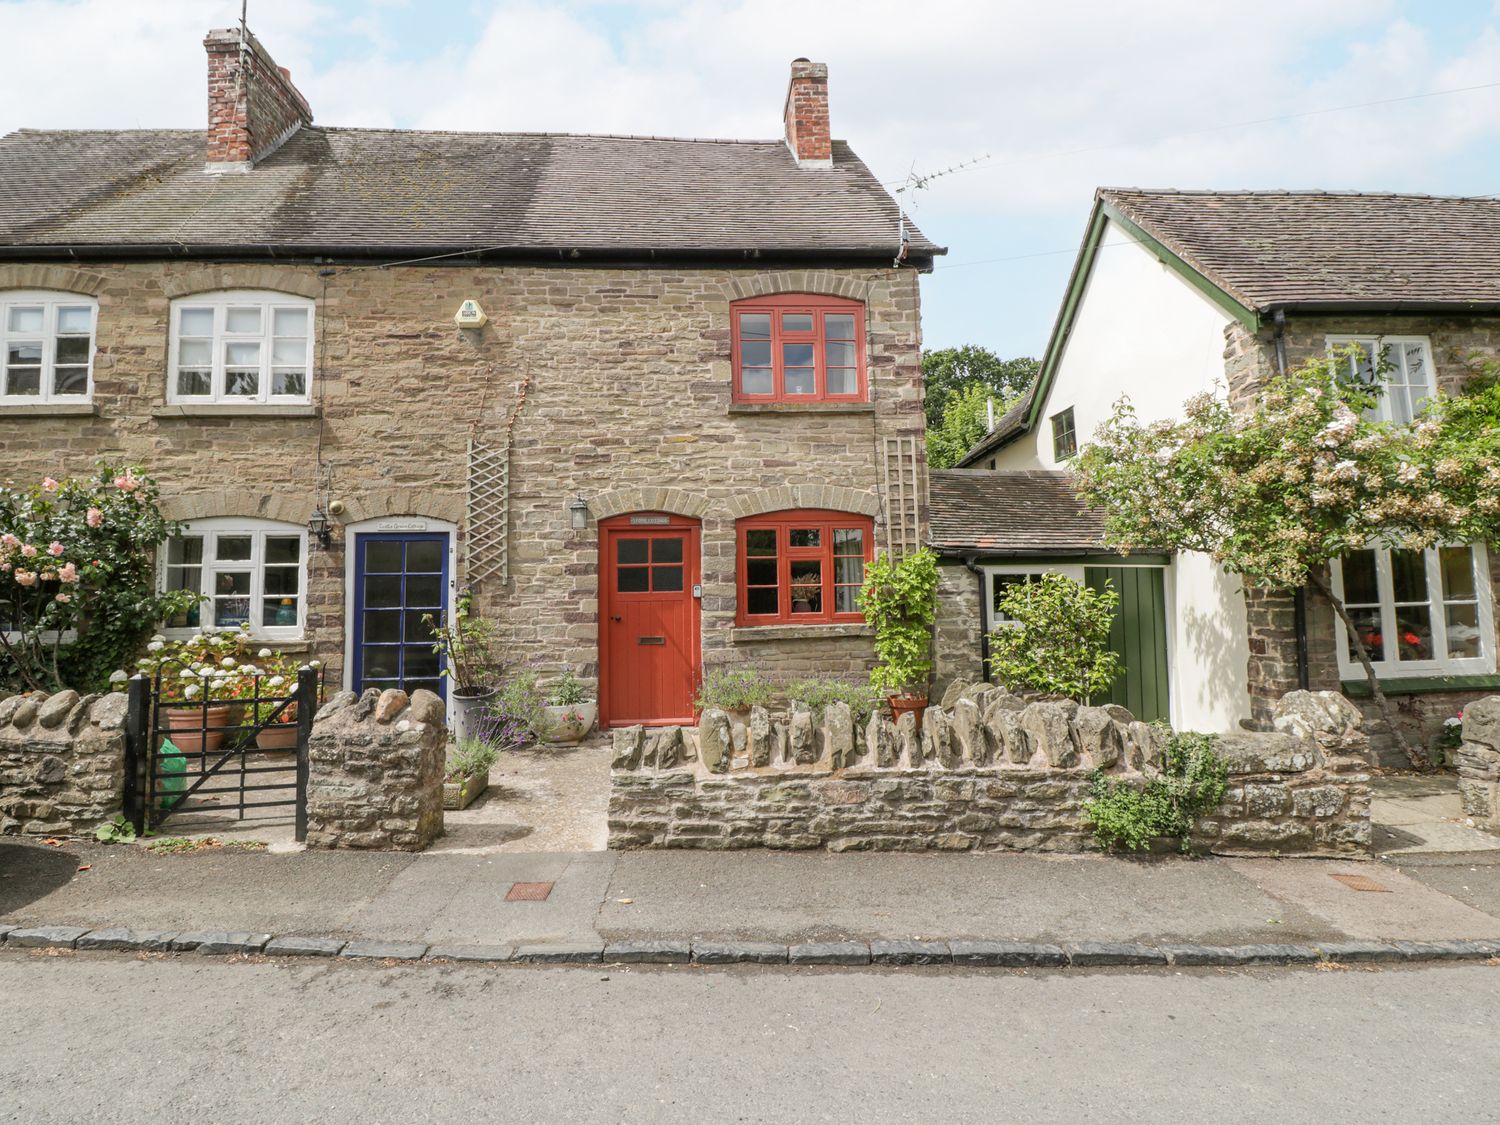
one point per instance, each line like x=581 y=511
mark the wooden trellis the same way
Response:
x=486 y=552
x=901 y=470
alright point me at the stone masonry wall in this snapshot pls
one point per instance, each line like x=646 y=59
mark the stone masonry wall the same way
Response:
x=956 y=629
x=375 y=776
x=619 y=380
x=990 y=773
x=1478 y=760
x=1249 y=361
x=62 y=762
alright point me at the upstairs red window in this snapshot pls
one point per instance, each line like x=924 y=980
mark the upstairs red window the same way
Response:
x=802 y=568
x=797 y=347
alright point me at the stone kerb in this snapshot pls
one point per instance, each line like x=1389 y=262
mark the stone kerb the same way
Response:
x=62 y=762
x=375 y=772
x=1478 y=760
x=989 y=770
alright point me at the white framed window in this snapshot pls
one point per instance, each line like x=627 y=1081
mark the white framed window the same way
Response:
x=240 y=348
x=250 y=571
x=46 y=347
x=1417 y=612
x=1403 y=366
x=1001 y=577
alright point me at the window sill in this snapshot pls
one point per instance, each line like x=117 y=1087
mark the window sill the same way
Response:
x=750 y=634
x=47 y=409
x=227 y=410
x=1420 y=685
x=801 y=408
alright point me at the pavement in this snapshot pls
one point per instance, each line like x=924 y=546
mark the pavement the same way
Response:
x=461 y=892
x=145 y=1038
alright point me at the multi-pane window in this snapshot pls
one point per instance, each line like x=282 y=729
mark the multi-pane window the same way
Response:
x=1401 y=365
x=798 y=348
x=46 y=347
x=802 y=567
x=248 y=571
x=241 y=348
x=1417 y=611
x=1002 y=579
x=648 y=565
x=1064 y=435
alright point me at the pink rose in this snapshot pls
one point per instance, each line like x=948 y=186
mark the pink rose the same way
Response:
x=25 y=578
x=29 y=551
x=126 y=481
x=68 y=572
x=95 y=518
x=49 y=485
x=55 y=549
x=64 y=599
x=9 y=540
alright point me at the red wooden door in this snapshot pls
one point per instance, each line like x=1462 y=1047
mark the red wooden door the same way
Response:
x=648 y=629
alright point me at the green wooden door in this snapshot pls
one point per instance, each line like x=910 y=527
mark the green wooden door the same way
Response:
x=1139 y=635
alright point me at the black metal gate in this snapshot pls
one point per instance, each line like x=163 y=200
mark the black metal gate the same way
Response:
x=221 y=756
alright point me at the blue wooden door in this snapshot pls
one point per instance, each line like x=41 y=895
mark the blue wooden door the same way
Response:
x=399 y=578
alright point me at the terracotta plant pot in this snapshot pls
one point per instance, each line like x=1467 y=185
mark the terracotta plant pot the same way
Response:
x=900 y=704
x=186 y=723
x=277 y=738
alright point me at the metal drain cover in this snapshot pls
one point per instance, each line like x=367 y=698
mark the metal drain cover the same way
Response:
x=533 y=892
x=1362 y=883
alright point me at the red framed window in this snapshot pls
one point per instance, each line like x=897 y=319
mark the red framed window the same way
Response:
x=802 y=567
x=797 y=347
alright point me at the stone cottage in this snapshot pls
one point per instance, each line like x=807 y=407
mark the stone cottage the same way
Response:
x=652 y=402
x=1180 y=292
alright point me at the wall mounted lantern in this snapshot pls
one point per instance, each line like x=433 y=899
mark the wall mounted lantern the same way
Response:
x=321 y=526
x=578 y=513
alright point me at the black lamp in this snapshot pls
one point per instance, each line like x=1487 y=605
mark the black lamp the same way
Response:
x=321 y=526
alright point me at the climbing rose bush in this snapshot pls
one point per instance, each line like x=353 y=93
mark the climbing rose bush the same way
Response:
x=76 y=557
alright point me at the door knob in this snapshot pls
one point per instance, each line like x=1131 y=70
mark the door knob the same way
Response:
x=612 y=617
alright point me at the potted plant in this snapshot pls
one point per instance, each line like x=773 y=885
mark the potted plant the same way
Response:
x=803 y=594
x=467 y=646
x=570 y=712
x=277 y=680
x=201 y=683
x=468 y=771
x=898 y=602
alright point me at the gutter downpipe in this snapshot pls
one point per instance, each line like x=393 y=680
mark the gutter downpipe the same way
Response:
x=1299 y=596
x=970 y=564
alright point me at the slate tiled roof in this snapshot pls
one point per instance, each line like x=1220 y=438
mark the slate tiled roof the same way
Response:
x=1008 y=426
x=1024 y=511
x=374 y=190
x=1313 y=248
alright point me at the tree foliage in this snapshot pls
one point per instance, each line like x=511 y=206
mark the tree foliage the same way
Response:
x=965 y=421
x=899 y=602
x=1058 y=642
x=1301 y=475
x=77 y=580
x=946 y=371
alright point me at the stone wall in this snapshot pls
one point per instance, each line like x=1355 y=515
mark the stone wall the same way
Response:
x=956 y=641
x=1250 y=360
x=1478 y=761
x=375 y=777
x=991 y=772
x=618 y=382
x=62 y=762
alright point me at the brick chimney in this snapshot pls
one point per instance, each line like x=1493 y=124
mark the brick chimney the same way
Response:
x=807 y=132
x=252 y=105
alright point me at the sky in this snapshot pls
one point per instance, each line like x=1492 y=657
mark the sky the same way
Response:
x=1052 y=100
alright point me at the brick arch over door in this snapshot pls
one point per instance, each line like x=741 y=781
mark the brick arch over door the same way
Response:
x=823 y=282
x=58 y=278
x=786 y=497
x=677 y=501
x=275 y=279
x=208 y=505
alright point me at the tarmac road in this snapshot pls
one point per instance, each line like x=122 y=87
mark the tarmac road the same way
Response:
x=119 y=1038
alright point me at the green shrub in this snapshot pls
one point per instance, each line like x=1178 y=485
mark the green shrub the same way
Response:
x=1190 y=785
x=567 y=691
x=898 y=601
x=818 y=694
x=1058 y=641
x=735 y=688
